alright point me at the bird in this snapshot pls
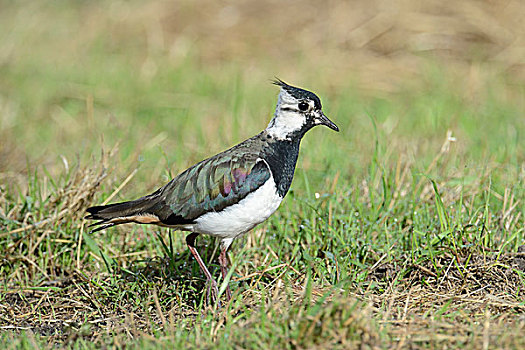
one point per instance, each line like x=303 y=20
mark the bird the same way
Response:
x=230 y=193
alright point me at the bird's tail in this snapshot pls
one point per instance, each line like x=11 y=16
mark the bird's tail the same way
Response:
x=137 y=211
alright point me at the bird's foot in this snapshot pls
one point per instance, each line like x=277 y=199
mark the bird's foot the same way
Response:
x=212 y=292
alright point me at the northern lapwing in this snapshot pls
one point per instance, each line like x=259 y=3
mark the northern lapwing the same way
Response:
x=228 y=194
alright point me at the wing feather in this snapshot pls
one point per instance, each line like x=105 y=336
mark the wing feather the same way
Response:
x=211 y=185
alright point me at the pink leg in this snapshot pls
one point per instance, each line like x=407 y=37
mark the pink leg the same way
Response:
x=212 y=284
x=223 y=261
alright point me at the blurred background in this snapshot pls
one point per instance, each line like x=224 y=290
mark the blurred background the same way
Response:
x=191 y=78
x=107 y=100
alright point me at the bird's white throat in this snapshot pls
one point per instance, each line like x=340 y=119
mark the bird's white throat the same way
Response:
x=287 y=118
x=284 y=124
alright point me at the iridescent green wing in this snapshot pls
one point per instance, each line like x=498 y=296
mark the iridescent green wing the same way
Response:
x=211 y=185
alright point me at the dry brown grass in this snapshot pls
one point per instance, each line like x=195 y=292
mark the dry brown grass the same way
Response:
x=479 y=300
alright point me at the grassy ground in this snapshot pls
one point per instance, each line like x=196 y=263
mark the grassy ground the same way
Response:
x=405 y=229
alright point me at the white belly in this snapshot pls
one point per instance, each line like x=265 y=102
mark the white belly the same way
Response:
x=241 y=217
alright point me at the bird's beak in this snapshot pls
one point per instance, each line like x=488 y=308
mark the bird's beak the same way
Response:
x=322 y=119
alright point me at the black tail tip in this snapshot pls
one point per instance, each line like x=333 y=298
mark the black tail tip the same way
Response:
x=93 y=213
x=95 y=209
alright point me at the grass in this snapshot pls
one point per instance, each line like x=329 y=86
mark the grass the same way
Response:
x=405 y=229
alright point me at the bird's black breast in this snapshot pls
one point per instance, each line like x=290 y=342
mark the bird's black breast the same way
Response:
x=281 y=156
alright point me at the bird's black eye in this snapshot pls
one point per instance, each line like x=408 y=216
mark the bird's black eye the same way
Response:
x=303 y=106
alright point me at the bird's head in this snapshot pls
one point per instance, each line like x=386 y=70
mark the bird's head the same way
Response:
x=297 y=112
